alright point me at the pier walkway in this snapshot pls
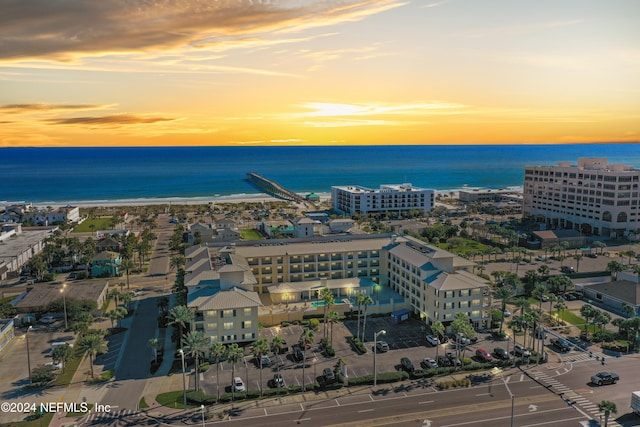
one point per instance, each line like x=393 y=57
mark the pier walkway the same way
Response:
x=275 y=189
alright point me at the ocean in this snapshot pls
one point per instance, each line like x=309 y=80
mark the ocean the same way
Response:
x=61 y=175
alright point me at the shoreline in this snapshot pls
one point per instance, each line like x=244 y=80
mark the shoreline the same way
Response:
x=203 y=200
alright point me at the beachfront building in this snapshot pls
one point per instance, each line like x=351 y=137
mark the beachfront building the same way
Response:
x=437 y=283
x=52 y=216
x=210 y=232
x=395 y=199
x=106 y=264
x=593 y=197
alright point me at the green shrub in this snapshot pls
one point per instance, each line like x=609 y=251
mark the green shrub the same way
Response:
x=204 y=367
x=383 y=378
x=330 y=352
x=357 y=345
x=200 y=398
x=314 y=324
x=285 y=324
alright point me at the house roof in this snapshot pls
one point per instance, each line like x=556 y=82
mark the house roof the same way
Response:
x=444 y=281
x=106 y=255
x=107 y=241
x=225 y=300
x=623 y=290
x=40 y=296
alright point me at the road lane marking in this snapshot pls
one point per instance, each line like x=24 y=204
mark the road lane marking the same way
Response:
x=426 y=401
x=365 y=410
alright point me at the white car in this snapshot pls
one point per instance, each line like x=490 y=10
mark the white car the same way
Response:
x=433 y=340
x=56 y=365
x=238 y=384
x=47 y=320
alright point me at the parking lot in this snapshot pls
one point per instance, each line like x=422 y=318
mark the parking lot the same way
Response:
x=406 y=339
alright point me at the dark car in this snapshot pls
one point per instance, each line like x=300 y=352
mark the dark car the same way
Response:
x=443 y=361
x=501 y=353
x=454 y=359
x=602 y=378
x=567 y=269
x=266 y=362
x=407 y=364
x=297 y=354
x=561 y=344
x=329 y=375
x=277 y=381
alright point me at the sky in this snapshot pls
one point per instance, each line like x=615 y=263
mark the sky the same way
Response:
x=303 y=72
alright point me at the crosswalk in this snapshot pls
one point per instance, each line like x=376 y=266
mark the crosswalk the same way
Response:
x=584 y=356
x=99 y=417
x=569 y=396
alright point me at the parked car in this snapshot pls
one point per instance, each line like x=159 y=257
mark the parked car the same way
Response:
x=277 y=380
x=329 y=375
x=443 y=361
x=297 y=354
x=428 y=363
x=567 y=269
x=382 y=346
x=561 y=344
x=483 y=355
x=602 y=378
x=407 y=364
x=506 y=313
x=501 y=353
x=238 y=384
x=47 y=319
x=55 y=365
x=521 y=351
x=433 y=340
x=454 y=359
x=592 y=255
x=266 y=362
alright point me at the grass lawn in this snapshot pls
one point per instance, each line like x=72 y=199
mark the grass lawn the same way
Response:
x=70 y=369
x=38 y=422
x=172 y=399
x=142 y=404
x=98 y=224
x=569 y=317
x=250 y=235
x=464 y=246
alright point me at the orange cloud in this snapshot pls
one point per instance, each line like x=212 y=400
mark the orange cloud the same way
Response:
x=109 y=121
x=39 y=107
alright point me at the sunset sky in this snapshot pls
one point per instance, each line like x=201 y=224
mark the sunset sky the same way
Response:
x=303 y=72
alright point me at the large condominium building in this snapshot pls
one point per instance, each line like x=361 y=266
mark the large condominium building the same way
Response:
x=592 y=196
x=437 y=283
x=392 y=199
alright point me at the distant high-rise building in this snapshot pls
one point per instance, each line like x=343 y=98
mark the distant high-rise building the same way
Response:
x=593 y=197
x=392 y=199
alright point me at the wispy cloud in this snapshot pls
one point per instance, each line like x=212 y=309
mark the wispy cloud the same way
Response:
x=326 y=109
x=72 y=29
x=434 y=4
x=109 y=121
x=520 y=29
x=42 y=107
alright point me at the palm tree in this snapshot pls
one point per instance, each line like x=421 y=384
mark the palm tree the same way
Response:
x=163 y=303
x=503 y=294
x=543 y=270
x=260 y=348
x=603 y=318
x=325 y=295
x=126 y=299
x=277 y=344
x=115 y=315
x=438 y=329
x=365 y=302
x=560 y=307
x=177 y=262
x=628 y=310
x=127 y=265
x=540 y=292
x=216 y=353
x=599 y=245
x=195 y=343
x=588 y=312
x=234 y=355
x=155 y=344
x=92 y=344
x=333 y=317
x=359 y=300
x=608 y=408
x=306 y=339
x=523 y=305
x=614 y=267
x=181 y=315
x=577 y=257
x=62 y=353
x=115 y=294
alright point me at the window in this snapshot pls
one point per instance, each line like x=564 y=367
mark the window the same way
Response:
x=212 y=313
x=212 y=326
x=448 y=294
x=246 y=324
x=448 y=306
x=247 y=312
x=248 y=336
x=465 y=292
x=228 y=326
x=228 y=313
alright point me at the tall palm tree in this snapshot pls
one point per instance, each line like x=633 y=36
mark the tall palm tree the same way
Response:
x=277 y=344
x=540 y=292
x=234 y=355
x=503 y=294
x=608 y=408
x=260 y=348
x=359 y=300
x=523 y=305
x=628 y=310
x=216 y=353
x=195 y=343
x=177 y=262
x=325 y=295
x=181 y=315
x=438 y=330
x=306 y=339
x=155 y=344
x=115 y=294
x=365 y=303
x=560 y=307
x=333 y=317
x=588 y=312
x=92 y=344
x=577 y=257
x=127 y=265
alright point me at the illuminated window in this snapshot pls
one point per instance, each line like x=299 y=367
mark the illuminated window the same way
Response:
x=228 y=326
x=247 y=312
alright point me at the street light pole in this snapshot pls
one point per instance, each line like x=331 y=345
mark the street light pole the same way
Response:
x=202 y=408
x=28 y=354
x=375 y=351
x=64 y=304
x=184 y=384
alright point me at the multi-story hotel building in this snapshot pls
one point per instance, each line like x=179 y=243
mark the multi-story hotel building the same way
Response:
x=592 y=196
x=392 y=199
x=437 y=283
x=434 y=282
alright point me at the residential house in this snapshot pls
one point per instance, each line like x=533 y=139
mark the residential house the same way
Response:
x=106 y=264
